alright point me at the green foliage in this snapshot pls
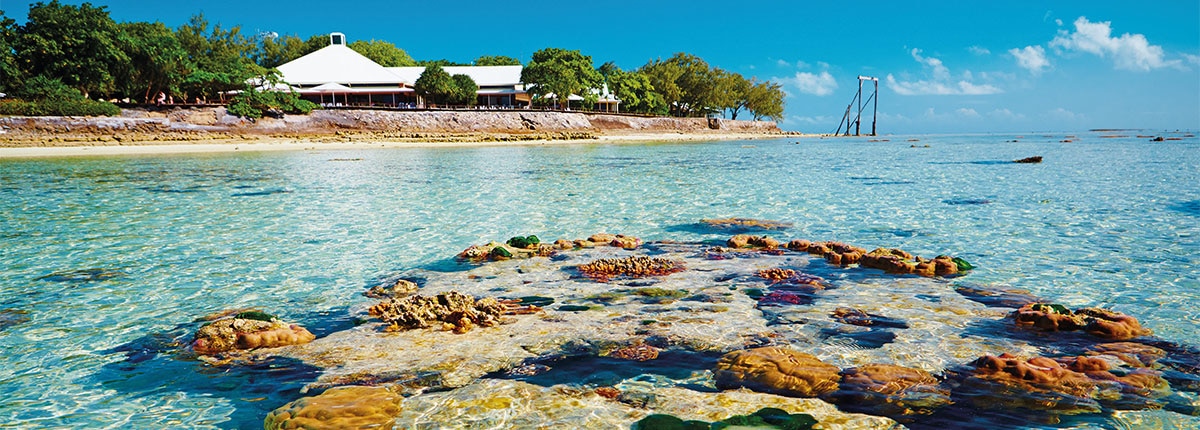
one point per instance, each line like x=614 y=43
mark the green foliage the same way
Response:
x=765 y=100
x=42 y=96
x=464 y=92
x=221 y=59
x=10 y=73
x=1051 y=308
x=523 y=242
x=383 y=52
x=686 y=83
x=634 y=90
x=729 y=91
x=501 y=252
x=440 y=63
x=76 y=44
x=435 y=85
x=962 y=264
x=274 y=51
x=497 y=60
x=157 y=62
x=560 y=72
x=253 y=102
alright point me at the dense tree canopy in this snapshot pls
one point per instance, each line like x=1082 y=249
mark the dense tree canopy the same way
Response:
x=634 y=90
x=560 y=72
x=77 y=45
x=157 y=62
x=275 y=51
x=497 y=60
x=765 y=100
x=10 y=72
x=435 y=85
x=464 y=91
x=384 y=53
x=221 y=59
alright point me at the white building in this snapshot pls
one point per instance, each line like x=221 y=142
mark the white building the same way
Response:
x=339 y=76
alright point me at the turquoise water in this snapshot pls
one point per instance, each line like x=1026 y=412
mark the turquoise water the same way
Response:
x=107 y=260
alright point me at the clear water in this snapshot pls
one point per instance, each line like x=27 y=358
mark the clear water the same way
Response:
x=1110 y=222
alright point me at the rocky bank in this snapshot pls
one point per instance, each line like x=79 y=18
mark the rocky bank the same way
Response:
x=181 y=124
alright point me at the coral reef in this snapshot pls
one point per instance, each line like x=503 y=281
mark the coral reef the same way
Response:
x=339 y=408
x=634 y=267
x=765 y=418
x=740 y=224
x=456 y=311
x=859 y=318
x=635 y=352
x=748 y=241
x=531 y=246
x=399 y=288
x=776 y=370
x=247 y=330
x=897 y=261
x=1038 y=384
x=1095 y=321
x=894 y=391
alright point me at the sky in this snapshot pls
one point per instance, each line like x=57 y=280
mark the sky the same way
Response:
x=943 y=66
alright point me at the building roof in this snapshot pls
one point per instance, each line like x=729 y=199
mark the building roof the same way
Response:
x=337 y=64
x=484 y=76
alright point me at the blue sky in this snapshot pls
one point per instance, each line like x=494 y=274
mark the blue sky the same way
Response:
x=944 y=66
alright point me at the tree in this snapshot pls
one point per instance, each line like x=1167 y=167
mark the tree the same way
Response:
x=765 y=100
x=253 y=102
x=434 y=84
x=634 y=90
x=221 y=59
x=465 y=91
x=157 y=62
x=10 y=73
x=274 y=51
x=75 y=44
x=383 y=52
x=560 y=72
x=441 y=63
x=497 y=60
x=729 y=91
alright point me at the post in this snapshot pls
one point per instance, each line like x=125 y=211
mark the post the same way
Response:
x=858 y=119
x=875 y=109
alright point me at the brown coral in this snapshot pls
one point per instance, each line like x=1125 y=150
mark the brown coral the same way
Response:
x=339 y=408
x=458 y=311
x=1097 y=322
x=239 y=333
x=748 y=241
x=633 y=266
x=889 y=390
x=776 y=274
x=399 y=288
x=746 y=223
x=1111 y=324
x=636 y=352
x=777 y=371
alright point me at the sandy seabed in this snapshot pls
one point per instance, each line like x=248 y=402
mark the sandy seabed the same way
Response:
x=293 y=144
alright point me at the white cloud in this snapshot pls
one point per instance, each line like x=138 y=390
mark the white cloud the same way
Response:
x=821 y=84
x=1129 y=51
x=967 y=112
x=978 y=50
x=1065 y=115
x=1194 y=59
x=1032 y=58
x=823 y=120
x=1005 y=114
x=942 y=83
x=782 y=63
x=1059 y=22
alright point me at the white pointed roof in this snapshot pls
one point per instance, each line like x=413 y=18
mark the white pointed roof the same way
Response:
x=340 y=64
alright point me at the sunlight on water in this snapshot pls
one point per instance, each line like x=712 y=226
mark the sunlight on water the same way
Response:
x=105 y=259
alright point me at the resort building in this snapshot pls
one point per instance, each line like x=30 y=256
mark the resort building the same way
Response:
x=339 y=76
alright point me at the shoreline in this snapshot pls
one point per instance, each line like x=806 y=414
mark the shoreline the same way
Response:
x=272 y=144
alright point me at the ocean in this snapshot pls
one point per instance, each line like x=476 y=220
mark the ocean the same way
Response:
x=108 y=262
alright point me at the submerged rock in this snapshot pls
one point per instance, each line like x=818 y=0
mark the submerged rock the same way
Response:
x=397 y=289
x=777 y=371
x=339 y=408
x=897 y=261
x=738 y=224
x=893 y=391
x=1037 y=384
x=634 y=267
x=457 y=311
x=1030 y=160
x=998 y=296
x=1095 y=321
x=748 y=241
x=247 y=330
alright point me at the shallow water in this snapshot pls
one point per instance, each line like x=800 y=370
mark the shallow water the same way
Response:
x=107 y=260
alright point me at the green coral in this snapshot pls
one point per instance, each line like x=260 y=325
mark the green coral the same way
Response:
x=764 y=418
x=500 y=252
x=574 y=308
x=963 y=265
x=523 y=242
x=1051 y=308
x=538 y=301
x=754 y=293
x=255 y=315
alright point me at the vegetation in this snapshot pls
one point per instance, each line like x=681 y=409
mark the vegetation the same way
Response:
x=497 y=60
x=384 y=53
x=556 y=74
x=65 y=54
